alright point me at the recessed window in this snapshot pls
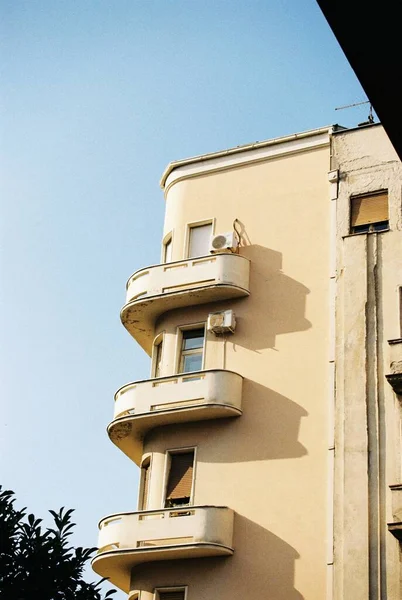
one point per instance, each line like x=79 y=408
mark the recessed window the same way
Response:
x=180 y=479
x=199 y=240
x=145 y=474
x=167 y=250
x=170 y=594
x=157 y=357
x=192 y=350
x=369 y=213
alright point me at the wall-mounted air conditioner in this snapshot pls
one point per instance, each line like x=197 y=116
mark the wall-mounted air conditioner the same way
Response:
x=224 y=241
x=223 y=321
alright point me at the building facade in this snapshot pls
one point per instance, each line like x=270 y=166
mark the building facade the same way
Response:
x=268 y=434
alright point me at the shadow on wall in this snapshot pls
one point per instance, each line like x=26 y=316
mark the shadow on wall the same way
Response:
x=262 y=566
x=268 y=429
x=280 y=299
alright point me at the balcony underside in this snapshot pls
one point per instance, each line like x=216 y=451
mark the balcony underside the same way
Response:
x=396 y=530
x=128 y=432
x=139 y=316
x=395 y=381
x=116 y=565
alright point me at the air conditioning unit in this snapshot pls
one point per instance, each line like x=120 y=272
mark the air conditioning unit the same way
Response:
x=221 y=322
x=224 y=241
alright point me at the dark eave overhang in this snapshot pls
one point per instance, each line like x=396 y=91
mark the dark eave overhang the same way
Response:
x=369 y=35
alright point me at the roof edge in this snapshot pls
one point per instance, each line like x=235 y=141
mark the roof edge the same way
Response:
x=245 y=148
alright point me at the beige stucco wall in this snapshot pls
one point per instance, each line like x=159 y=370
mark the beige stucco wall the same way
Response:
x=321 y=302
x=270 y=464
x=369 y=273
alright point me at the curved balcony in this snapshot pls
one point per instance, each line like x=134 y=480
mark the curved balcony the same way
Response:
x=160 y=288
x=197 y=396
x=128 y=539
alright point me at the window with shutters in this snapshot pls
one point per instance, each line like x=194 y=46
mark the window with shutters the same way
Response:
x=192 y=350
x=145 y=474
x=179 y=484
x=199 y=239
x=369 y=212
x=170 y=594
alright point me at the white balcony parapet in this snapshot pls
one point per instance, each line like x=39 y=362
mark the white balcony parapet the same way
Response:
x=128 y=539
x=159 y=288
x=196 y=396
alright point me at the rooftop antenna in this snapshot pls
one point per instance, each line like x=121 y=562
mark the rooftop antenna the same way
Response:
x=370 y=118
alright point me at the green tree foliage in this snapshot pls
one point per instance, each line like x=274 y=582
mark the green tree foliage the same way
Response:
x=37 y=563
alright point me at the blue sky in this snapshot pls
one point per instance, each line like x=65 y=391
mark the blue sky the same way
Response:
x=97 y=97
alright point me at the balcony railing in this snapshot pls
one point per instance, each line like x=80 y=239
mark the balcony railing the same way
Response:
x=157 y=289
x=395 y=376
x=196 y=396
x=128 y=539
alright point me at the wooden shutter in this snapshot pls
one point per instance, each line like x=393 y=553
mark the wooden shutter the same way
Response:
x=180 y=476
x=178 y=595
x=146 y=473
x=369 y=209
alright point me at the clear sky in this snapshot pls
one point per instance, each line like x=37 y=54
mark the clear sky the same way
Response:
x=97 y=97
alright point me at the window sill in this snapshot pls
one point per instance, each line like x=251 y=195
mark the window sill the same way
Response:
x=366 y=233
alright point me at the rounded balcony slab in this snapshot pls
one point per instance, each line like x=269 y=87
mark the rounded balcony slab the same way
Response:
x=183 y=398
x=129 y=539
x=160 y=288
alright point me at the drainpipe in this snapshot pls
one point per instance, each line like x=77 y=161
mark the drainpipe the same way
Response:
x=333 y=178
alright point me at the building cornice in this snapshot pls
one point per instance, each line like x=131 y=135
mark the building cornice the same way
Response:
x=242 y=155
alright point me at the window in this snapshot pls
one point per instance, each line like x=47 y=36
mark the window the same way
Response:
x=145 y=473
x=199 y=240
x=170 y=594
x=180 y=479
x=369 y=213
x=157 y=365
x=167 y=250
x=192 y=350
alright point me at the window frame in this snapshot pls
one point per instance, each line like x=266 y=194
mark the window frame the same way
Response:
x=187 y=237
x=171 y=588
x=180 y=339
x=366 y=228
x=166 y=472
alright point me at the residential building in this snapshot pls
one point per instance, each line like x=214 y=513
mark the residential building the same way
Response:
x=268 y=434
